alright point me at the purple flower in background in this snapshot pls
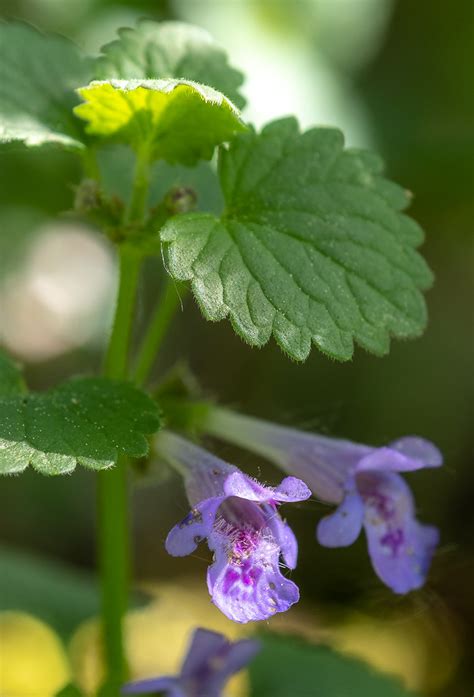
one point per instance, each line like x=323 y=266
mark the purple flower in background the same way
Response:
x=209 y=663
x=364 y=483
x=239 y=518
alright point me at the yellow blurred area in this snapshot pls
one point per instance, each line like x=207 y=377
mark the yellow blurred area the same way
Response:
x=418 y=645
x=421 y=648
x=33 y=661
x=157 y=637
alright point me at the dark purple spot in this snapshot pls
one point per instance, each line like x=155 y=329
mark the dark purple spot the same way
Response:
x=393 y=540
x=230 y=578
x=250 y=575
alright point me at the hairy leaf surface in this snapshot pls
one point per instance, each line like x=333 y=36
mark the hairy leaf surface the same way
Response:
x=175 y=120
x=312 y=246
x=169 y=49
x=85 y=421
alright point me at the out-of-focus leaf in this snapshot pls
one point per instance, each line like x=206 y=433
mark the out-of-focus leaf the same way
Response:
x=312 y=246
x=18 y=225
x=169 y=49
x=85 y=421
x=70 y=691
x=38 y=76
x=11 y=378
x=60 y=596
x=288 y=666
x=175 y=120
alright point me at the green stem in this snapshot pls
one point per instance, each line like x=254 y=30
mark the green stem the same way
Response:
x=113 y=523
x=115 y=365
x=113 y=549
x=90 y=164
x=156 y=332
x=141 y=183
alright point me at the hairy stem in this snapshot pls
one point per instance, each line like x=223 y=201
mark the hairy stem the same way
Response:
x=156 y=332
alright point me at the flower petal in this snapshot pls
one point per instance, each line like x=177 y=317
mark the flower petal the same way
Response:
x=254 y=590
x=290 y=489
x=204 y=645
x=186 y=535
x=403 y=455
x=342 y=528
x=402 y=561
x=284 y=536
x=400 y=548
x=239 y=484
x=419 y=449
x=236 y=657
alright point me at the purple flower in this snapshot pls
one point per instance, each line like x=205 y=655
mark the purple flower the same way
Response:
x=239 y=518
x=210 y=662
x=362 y=480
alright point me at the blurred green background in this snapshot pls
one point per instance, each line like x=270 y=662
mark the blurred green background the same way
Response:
x=396 y=76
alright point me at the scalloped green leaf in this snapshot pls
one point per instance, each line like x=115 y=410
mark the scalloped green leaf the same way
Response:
x=169 y=49
x=85 y=421
x=11 y=378
x=312 y=246
x=174 y=120
x=38 y=76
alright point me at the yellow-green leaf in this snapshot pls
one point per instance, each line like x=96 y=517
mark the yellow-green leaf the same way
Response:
x=175 y=120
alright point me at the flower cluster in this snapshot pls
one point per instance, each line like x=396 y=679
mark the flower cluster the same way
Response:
x=239 y=517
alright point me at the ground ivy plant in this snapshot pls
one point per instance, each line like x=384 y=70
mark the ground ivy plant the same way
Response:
x=311 y=248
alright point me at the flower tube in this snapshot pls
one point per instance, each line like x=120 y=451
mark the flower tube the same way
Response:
x=361 y=480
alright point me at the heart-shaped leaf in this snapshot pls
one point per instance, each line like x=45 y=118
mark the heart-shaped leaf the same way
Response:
x=312 y=246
